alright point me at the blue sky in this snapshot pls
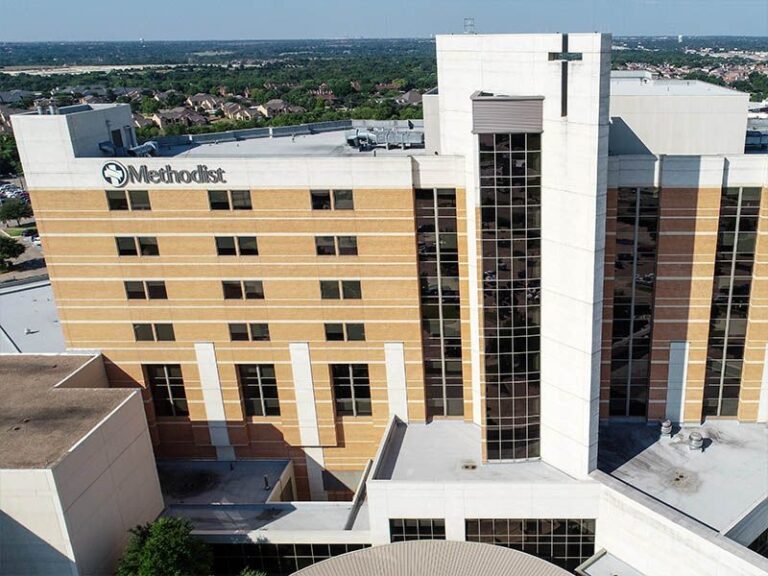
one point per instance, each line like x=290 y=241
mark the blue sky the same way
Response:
x=22 y=20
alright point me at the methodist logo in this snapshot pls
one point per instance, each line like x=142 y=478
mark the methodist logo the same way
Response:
x=117 y=175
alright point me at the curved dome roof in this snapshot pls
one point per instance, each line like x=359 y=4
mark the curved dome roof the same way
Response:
x=434 y=558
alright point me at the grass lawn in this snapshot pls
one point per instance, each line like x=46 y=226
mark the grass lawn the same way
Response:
x=14 y=231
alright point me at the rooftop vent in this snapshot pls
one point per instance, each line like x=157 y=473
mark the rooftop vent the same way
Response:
x=695 y=441
x=469 y=465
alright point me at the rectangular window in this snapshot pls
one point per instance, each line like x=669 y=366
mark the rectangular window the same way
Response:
x=438 y=258
x=259 y=386
x=355 y=332
x=347 y=245
x=164 y=333
x=332 y=200
x=321 y=199
x=218 y=199
x=351 y=389
x=259 y=332
x=229 y=199
x=329 y=290
x=117 y=200
x=148 y=246
x=154 y=332
x=238 y=332
x=247 y=246
x=139 y=200
x=407 y=529
x=341 y=332
x=334 y=332
x=134 y=290
x=225 y=246
x=156 y=290
x=126 y=246
x=150 y=289
x=241 y=199
x=563 y=542
x=143 y=333
x=351 y=289
x=637 y=223
x=343 y=200
x=325 y=246
x=256 y=332
x=734 y=263
x=167 y=386
x=510 y=200
x=237 y=289
x=233 y=289
x=253 y=289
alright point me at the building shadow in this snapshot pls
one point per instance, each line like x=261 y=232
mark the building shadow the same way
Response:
x=23 y=552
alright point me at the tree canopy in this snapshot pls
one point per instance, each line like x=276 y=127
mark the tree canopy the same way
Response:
x=165 y=547
x=9 y=249
x=15 y=209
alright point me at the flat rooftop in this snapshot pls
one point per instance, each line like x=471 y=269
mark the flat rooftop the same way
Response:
x=272 y=517
x=217 y=483
x=716 y=486
x=440 y=450
x=644 y=84
x=304 y=140
x=39 y=423
x=29 y=321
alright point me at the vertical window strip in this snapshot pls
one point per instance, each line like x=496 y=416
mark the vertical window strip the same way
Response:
x=443 y=399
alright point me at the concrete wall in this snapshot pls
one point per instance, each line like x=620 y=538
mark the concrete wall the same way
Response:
x=654 y=539
x=457 y=501
x=108 y=484
x=92 y=374
x=574 y=160
x=34 y=539
x=678 y=124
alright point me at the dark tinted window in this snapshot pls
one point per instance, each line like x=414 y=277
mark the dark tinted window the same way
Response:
x=254 y=289
x=232 y=289
x=139 y=200
x=321 y=199
x=324 y=246
x=148 y=246
x=329 y=289
x=248 y=246
x=218 y=199
x=343 y=200
x=156 y=290
x=347 y=245
x=134 y=290
x=126 y=246
x=143 y=332
x=116 y=200
x=225 y=246
x=241 y=199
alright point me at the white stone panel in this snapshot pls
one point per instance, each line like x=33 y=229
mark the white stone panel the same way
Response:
x=305 y=393
x=397 y=392
x=213 y=400
x=676 y=377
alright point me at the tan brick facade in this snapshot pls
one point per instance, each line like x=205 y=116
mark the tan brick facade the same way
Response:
x=87 y=275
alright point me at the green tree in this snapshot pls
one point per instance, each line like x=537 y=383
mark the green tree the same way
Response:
x=15 y=209
x=9 y=155
x=149 y=106
x=9 y=249
x=165 y=547
x=252 y=572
